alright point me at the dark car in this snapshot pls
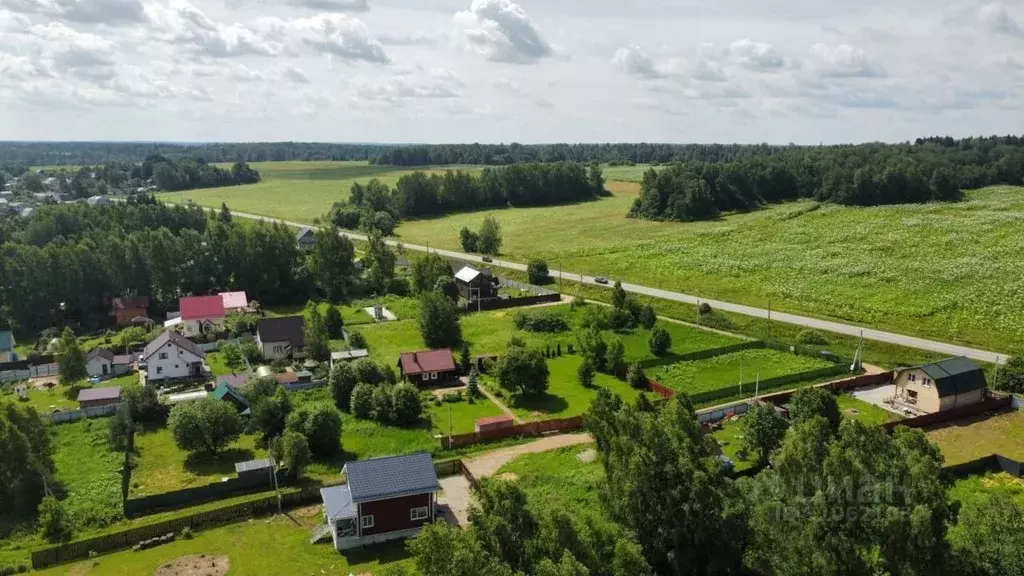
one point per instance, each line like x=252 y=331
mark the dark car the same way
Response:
x=487 y=259
x=601 y=280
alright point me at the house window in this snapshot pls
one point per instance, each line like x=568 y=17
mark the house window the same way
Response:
x=418 y=513
x=433 y=375
x=366 y=521
x=163 y=355
x=912 y=395
x=278 y=349
x=911 y=378
x=426 y=376
x=159 y=369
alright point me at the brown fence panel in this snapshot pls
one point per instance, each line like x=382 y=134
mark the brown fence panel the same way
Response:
x=660 y=390
x=526 y=429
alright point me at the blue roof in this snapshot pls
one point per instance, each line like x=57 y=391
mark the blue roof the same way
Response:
x=338 y=501
x=6 y=341
x=391 y=477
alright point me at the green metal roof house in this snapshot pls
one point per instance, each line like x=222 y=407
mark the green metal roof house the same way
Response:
x=229 y=394
x=943 y=385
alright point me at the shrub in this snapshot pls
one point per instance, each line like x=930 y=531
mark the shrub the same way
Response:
x=296 y=421
x=343 y=380
x=523 y=372
x=1010 y=376
x=54 y=523
x=718 y=321
x=356 y=339
x=120 y=428
x=291 y=450
x=334 y=322
x=811 y=337
x=468 y=239
x=586 y=373
x=383 y=408
x=323 y=431
x=406 y=405
x=615 y=357
x=704 y=309
x=540 y=321
x=186 y=533
x=537 y=270
x=362 y=401
x=206 y=425
x=636 y=377
x=452 y=396
x=660 y=341
x=473 y=387
x=368 y=372
x=646 y=316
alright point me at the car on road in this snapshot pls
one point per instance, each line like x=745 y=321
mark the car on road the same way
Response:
x=601 y=280
x=487 y=259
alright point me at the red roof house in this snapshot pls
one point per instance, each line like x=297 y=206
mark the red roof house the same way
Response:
x=234 y=301
x=431 y=366
x=201 y=307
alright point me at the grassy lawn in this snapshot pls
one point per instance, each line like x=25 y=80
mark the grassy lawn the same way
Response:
x=697 y=376
x=730 y=438
x=463 y=415
x=215 y=361
x=972 y=438
x=162 y=467
x=976 y=485
x=276 y=546
x=565 y=396
x=864 y=411
x=45 y=400
x=558 y=479
x=89 y=471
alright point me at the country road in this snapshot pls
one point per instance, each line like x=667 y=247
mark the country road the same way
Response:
x=828 y=325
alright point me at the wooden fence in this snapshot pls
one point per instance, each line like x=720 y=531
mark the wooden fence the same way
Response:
x=76 y=415
x=527 y=429
x=503 y=303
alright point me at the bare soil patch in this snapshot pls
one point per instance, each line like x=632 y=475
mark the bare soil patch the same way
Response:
x=195 y=565
x=587 y=456
x=510 y=476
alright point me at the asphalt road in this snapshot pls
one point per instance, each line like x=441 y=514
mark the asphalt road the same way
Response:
x=827 y=325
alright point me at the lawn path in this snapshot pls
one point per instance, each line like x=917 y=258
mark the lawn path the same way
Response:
x=488 y=463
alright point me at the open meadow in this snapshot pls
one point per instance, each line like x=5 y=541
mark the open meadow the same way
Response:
x=746 y=366
x=949 y=271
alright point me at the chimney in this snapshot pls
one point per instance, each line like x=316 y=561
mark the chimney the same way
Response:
x=414 y=358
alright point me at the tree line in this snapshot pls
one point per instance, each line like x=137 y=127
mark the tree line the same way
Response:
x=63 y=265
x=375 y=205
x=867 y=175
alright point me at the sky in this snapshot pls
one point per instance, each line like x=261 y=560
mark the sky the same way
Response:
x=529 y=71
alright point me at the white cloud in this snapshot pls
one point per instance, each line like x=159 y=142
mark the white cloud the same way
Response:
x=181 y=23
x=408 y=39
x=995 y=18
x=333 y=5
x=756 y=56
x=293 y=74
x=634 y=61
x=340 y=35
x=501 y=30
x=110 y=12
x=844 y=61
x=436 y=83
x=22 y=68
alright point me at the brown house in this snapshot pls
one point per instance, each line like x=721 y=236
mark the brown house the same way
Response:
x=125 y=310
x=474 y=284
x=93 y=397
x=943 y=385
x=430 y=368
x=384 y=499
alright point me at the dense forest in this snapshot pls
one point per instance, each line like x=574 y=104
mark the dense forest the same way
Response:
x=936 y=170
x=64 y=264
x=377 y=206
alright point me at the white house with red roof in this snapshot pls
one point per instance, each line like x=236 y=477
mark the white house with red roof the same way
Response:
x=199 y=315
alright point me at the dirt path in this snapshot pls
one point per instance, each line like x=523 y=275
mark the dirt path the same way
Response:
x=497 y=402
x=488 y=463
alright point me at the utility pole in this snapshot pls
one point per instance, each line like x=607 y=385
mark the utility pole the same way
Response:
x=449 y=426
x=769 y=319
x=273 y=476
x=757 y=383
x=741 y=376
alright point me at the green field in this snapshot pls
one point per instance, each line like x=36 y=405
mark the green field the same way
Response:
x=276 y=546
x=299 y=191
x=89 y=471
x=696 y=376
x=946 y=271
x=162 y=467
